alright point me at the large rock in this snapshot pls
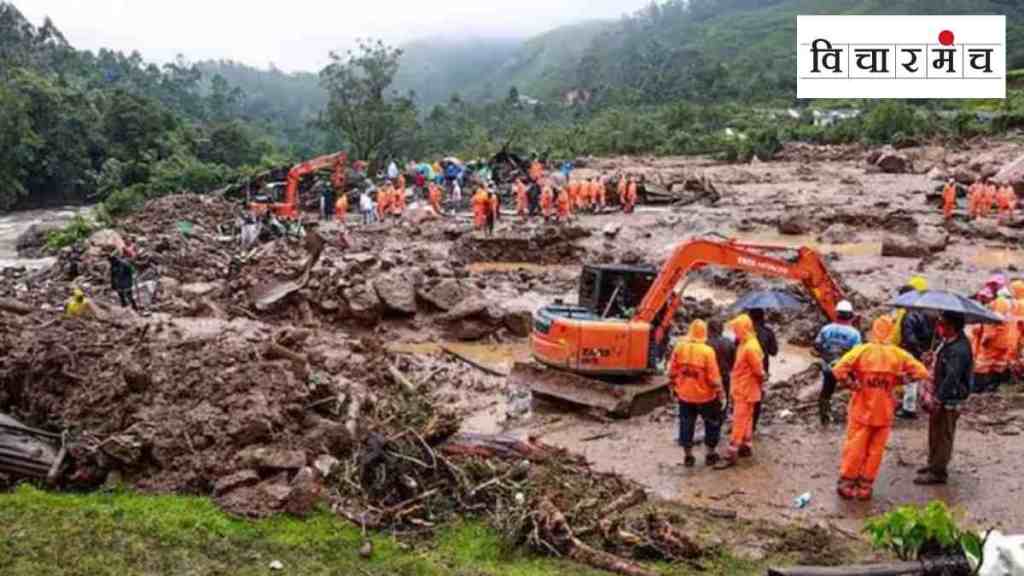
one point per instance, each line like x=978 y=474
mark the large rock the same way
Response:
x=928 y=240
x=304 y=493
x=447 y=294
x=397 y=292
x=796 y=224
x=102 y=242
x=518 y=320
x=890 y=161
x=473 y=319
x=612 y=229
x=839 y=234
x=272 y=458
x=363 y=303
x=31 y=242
x=237 y=480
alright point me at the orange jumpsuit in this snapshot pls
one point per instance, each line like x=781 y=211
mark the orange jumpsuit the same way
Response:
x=400 y=185
x=435 y=197
x=630 y=196
x=398 y=199
x=876 y=370
x=341 y=208
x=987 y=198
x=693 y=368
x=621 y=190
x=747 y=382
x=948 y=201
x=972 y=200
x=546 y=201
x=1017 y=287
x=383 y=202
x=481 y=204
x=1006 y=200
x=494 y=204
x=602 y=193
x=564 y=206
x=993 y=341
x=522 y=202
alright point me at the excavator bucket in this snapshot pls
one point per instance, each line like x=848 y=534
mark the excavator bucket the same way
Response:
x=618 y=400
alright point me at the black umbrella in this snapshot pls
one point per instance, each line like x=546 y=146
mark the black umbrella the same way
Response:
x=939 y=301
x=767 y=300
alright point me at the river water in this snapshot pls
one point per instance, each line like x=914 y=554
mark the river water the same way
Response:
x=12 y=224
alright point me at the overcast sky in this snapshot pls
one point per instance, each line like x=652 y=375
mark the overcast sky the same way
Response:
x=296 y=34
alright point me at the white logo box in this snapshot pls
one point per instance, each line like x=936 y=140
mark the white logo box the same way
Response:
x=900 y=57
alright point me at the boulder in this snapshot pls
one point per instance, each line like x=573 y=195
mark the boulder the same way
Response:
x=927 y=241
x=894 y=163
x=363 y=303
x=304 y=492
x=448 y=293
x=31 y=242
x=272 y=458
x=794 y=224
x=102 y=242
x=473 y=318
x=360 y=261
x=611 y=229
x=839 y=234
x=518 y=319
x=397 y=292
x=234 y=481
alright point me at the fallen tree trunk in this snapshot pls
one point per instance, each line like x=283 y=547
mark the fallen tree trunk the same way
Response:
x=893 y=569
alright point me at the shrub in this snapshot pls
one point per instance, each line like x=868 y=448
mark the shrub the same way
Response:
x=79 y=229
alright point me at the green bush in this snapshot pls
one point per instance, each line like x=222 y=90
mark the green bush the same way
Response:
x=79 y=229
x=885 y=121
x=124 y=201
x=913 y=531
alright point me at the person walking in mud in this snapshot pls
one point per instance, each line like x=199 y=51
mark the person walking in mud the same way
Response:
x=122 y=276
x=770 y=348
x=748 y=377
x=954 y=364
x=725 y=354
x=832 y=343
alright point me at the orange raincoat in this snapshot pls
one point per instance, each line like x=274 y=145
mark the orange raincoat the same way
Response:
x=1007 y=201
x=481 y=204
x=693 y=368
x=383 y=202
x=630 y=196
x=1017 y=287
x=747 y=381
x=435 y=197
x=602 y=193
x=564 y=206
x=522 y=202
x=621 y=190
x=574 y=193
x=993 y=341
x=341 y=207
x=546 y=201
x=536 y=171
x=876 y=370
x=948 y=201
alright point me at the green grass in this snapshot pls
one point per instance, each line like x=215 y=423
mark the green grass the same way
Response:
x=123 y=533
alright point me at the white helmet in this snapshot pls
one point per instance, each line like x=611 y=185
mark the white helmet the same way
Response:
x=844 y=307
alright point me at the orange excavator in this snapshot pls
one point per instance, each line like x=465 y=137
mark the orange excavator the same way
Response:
x=605 y=352
x=289 y=207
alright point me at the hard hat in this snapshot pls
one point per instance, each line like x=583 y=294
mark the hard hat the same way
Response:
x=918 y=283
x=844 y=307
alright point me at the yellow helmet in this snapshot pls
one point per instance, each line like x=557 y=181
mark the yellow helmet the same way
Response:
x=918 y=283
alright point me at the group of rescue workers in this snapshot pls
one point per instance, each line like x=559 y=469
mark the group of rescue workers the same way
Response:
x=936 y=361
x=983 y=199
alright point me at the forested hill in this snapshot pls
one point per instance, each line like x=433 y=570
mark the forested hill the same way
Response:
x=701 y=50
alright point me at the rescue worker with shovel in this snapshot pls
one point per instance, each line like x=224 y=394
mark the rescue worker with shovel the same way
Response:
x=872 y=371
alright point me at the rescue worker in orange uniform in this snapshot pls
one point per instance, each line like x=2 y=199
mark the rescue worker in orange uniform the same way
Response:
x=522 y=201
x=494 y=205
x=621 y=190
x=697 y=382
x=1017 y=288
x=747 y=379
x=400 y=184
x=481 y=203
x=973 y=201
x=398 y=198
x=584 y=195
x=873 y=371
x=630 y=196
x=949 y=200
x=573 y=187
x=987 y=199
x=547 y=201
x=564 y=206
x=992 y=348
x=602 y=193
x=341 y=207
x=435 y=196
x=383 y=202
x=1006 y=199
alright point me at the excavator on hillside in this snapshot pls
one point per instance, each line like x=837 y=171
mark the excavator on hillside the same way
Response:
x=605 y=352
x=288 y=207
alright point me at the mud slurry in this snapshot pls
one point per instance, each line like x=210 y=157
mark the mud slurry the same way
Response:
x=210 y=395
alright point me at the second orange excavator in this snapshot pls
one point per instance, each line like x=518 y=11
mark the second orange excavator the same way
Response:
x=606 y=351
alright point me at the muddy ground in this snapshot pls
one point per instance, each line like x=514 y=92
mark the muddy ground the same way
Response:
x=430 y=290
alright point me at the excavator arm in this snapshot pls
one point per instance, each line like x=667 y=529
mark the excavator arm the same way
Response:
x=289 y=208
x=808 y=269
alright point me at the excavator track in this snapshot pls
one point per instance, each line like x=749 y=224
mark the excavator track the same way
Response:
x=618 y=400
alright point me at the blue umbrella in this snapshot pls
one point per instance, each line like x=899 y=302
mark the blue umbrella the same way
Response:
x=939 y=301
x=767 y=300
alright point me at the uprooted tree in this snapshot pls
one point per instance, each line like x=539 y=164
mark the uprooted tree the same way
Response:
x=371 y=117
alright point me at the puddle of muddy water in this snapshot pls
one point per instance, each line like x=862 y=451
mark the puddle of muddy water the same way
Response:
x=997 y=258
